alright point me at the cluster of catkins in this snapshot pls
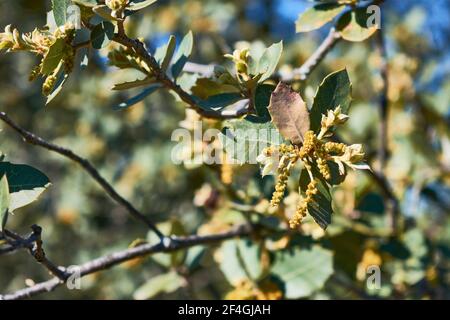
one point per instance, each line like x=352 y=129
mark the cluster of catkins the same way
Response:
x=314 y=151
x=40 y=42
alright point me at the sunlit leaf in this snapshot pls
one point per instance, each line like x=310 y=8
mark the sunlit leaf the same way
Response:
x=134 y=6
x=164 y=54
x=335 y=90
x=353 y=26
x=53 y=57
x=269 y=60
x=182 y=55
x=26 y=183
x=133 y=84
x=317 y=16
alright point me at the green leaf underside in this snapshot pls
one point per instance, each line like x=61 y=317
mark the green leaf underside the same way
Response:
x=138 y=98
x=4 y=201
x=269 y=61
x=26 y=183
x=317 y=16
x=102 y=34
x=243 y=141
x=59 y=8
x=335 y=90
x=241 y=259
x=164 y=54
x=302 y=272
x=182 y=55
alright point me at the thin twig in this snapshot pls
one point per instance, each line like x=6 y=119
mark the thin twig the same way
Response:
x=116 y=258
x=86 y=165
x=162 y=78
x=300 y=73
x=33 y=243
x=314 y=60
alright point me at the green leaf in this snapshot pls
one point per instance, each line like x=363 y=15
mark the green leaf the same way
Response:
x=138 y=98
x=164 y=283
x=321 y=208
x=317 y=16
x=244 y=140
x=335 y=90
x=353 y=26
x=26 y=183
x=220 y=101
x=194 y=256
x=183 y=53
x=240 y=259
x=262 y=101
x=269 y=61
x=133 y=84
x=164 y=54
x=302 y=271
x=86 y=3
x=59 y=8
x=104 y=12
x=205 y=87
x=289 y=113
x=61 y=81
x=134 y=6
x=53 y=57
x=4 y=201
x=102 y=34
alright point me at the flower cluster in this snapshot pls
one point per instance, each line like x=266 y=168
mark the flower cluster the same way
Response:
x=314 y=152
x=117 y=6
x=241 y=61
x=40 y=42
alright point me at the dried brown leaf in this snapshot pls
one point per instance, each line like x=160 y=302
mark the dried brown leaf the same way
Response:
x=289 y=113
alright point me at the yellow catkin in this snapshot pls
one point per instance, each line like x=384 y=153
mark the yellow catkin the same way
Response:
x=302 y=208
x=290 y=156
x=34 y=73
x=321 y=155
x=226 y=173
x=280 y=187
x=308 y=144
x=335 y=147
x=48 y=85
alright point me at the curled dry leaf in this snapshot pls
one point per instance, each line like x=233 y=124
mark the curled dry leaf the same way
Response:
x=289 y=113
